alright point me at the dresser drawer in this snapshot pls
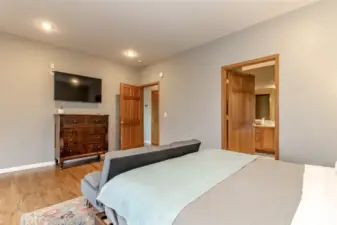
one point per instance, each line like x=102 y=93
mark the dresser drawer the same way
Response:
x=94 y=147
x=96 y=138
x=69 y=132
x=98 y=120
x=71 y=121
x=96 y=130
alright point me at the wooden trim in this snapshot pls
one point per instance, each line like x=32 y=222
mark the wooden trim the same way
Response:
x=26 y=167
x=157 y=83
x=149 y=84
x=264 y=91
x=121 y=93
x=223 y=108
x=152 y=115
x=159 y=114
x=142 y=114
x=277 y=108
x=224 y=70
x=251 y=62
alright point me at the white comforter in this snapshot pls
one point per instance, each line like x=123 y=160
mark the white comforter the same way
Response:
x=318 y=205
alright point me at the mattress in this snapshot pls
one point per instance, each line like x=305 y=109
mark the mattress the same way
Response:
x=262 y=193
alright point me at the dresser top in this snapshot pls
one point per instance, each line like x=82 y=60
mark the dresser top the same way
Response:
x=65 y=114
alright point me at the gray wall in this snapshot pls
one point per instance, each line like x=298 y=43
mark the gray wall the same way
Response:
x=26 y=97
x=306 y=40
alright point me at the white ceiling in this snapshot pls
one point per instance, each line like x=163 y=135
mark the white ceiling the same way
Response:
x=156 y=29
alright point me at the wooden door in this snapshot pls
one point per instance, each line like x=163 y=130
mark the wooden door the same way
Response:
x=130 y=116
x=155 y=117
x=241 y=112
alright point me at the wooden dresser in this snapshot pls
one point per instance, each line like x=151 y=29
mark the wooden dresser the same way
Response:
x=78 y=136
x=265 y=139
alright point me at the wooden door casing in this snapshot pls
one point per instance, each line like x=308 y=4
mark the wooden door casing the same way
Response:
x=241 y=112
x=130 y=116
x=275 y=58
x=155 y=117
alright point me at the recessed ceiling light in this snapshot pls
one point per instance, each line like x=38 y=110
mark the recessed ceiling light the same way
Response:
x=140 y=61
x=130 y=53
x=47 y=26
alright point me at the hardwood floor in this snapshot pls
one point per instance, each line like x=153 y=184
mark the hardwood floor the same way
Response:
x=29 y=190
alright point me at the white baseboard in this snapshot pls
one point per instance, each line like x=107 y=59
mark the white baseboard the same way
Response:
x=147 y=142
x=26 y=167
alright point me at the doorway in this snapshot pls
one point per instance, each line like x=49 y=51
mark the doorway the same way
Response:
x=135 y=114
x=151 y=115
x=250 y=111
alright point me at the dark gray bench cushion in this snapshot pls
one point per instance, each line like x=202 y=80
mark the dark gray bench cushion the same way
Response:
x=115 y=165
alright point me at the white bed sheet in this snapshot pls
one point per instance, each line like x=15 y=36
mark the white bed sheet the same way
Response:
x=318 y=205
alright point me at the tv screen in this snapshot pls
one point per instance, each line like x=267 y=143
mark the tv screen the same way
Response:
x=76 y=88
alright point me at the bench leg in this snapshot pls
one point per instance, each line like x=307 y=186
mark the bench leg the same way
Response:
x=87 y=204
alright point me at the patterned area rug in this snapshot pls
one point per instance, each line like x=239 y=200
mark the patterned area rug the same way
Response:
x=72 y=212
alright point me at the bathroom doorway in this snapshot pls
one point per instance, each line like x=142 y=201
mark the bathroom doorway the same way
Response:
x=250 y=117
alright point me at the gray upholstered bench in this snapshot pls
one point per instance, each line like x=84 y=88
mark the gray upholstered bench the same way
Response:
x=92 y=183
x=90 y=186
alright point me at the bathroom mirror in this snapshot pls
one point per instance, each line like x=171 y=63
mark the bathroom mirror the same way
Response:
x=262 y=106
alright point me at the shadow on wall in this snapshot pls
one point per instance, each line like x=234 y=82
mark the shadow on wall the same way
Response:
x=76 y=105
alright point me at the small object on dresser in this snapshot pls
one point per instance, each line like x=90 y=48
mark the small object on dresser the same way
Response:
x=60 y=111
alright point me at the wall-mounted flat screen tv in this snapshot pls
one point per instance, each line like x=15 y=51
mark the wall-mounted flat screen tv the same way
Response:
x=77 y=88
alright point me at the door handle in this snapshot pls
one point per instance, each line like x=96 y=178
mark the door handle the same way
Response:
x=122 y=122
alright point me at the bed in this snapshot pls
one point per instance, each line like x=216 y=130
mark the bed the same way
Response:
x=261 y=192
